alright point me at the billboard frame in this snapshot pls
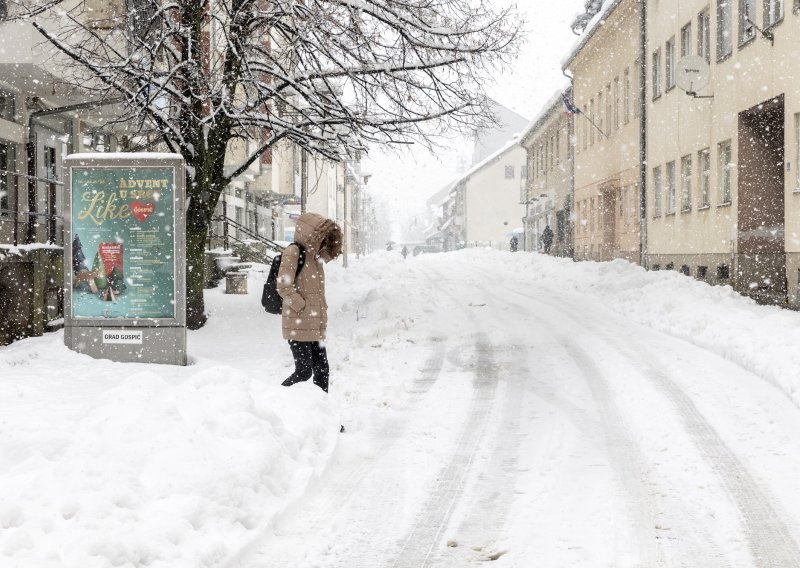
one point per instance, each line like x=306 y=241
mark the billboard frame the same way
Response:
x=129 y=339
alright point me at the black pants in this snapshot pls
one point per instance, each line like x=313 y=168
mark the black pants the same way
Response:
x=310 y=357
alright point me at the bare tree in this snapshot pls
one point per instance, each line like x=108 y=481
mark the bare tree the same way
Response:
x=332 y=76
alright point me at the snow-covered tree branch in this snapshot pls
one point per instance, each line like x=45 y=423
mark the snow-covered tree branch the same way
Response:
x=332 y=76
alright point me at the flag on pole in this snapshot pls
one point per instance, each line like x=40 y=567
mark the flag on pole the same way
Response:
x=571 y=108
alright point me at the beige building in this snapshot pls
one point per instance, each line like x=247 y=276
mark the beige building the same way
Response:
x=723 y=183
x=605 y=73
x=487 y=199
x=547 y=193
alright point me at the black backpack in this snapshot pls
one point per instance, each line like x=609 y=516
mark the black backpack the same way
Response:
x=270 y=298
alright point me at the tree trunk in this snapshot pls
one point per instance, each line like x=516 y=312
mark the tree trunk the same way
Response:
x=196 y=235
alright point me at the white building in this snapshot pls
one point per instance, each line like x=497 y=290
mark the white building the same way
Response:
x=484 y=206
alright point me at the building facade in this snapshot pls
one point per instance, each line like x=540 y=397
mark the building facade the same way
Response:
x=606 y=140
x=489 y=196
x=723 y=184
x=547 y=190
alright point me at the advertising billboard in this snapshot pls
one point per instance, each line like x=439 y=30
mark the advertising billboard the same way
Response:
x=123 y=242
x=125 y=257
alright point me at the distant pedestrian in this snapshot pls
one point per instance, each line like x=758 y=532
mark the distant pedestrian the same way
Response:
x=547 y=239
x=404 y=252
x=514 y=243
x=305 y=318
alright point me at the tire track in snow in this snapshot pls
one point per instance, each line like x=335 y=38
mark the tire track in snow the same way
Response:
x=431 y=370
x=626 y=459
x=427 y=532
x=494 y=480
x=340 y=487
x=697 y=545
x=770 y=541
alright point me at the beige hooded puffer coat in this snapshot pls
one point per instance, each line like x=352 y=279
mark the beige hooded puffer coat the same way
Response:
x=305 y=311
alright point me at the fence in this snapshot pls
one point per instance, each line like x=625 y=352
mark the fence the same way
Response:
x=39 y=221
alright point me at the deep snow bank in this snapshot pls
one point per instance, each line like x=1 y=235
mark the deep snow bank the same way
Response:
x=762 y=339
x=105 y=464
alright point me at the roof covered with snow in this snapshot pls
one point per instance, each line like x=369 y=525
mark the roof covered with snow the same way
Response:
x=591 y=28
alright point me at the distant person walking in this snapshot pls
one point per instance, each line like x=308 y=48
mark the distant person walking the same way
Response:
x=404 y=252
x=513 y=243
x=305 y=319
x=547 y=239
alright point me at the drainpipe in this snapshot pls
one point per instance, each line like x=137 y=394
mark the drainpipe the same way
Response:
x=643 y=133
x=30 y=154
x=571 y=173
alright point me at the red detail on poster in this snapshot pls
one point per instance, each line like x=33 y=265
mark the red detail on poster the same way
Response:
x=142 y=210
x=111 y=255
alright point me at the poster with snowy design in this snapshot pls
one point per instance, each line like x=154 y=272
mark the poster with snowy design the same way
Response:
x=123 y=246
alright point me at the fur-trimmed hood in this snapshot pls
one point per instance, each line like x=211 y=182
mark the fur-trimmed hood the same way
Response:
x=320 y=236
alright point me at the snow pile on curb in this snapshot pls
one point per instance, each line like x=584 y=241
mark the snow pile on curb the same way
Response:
x=762 y=339
x=105 y=464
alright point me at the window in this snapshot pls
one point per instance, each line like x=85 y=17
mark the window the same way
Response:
x=591 y=216
x=686 y=183
x=636 y=88
x=542 y=168
x=724 y=23
x=8 y=181
x=747 y=16
x=656 y=74
x=558 y=147
x=600 y=109
x=625 y=209
x=773 y=12
x=626 y=97
x=797 y=151
x=670 y=266
x=685 y=270
x=523 y=171
x=616 y=102
x=657 y=191
x=585 y=126
x=704 y=165
x=609 y=109
x=725 y=169
x=670 y=187
x=142 y=20
x=723 y=272
x=3 y=9
x=96 y=141
x=7 y=103
x=669 y=62
x=704 y=35
x=702 y=271
x=656 y=267
x=509 y=172
x=686 y=40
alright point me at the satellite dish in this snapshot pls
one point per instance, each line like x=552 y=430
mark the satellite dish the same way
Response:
x=692 y=73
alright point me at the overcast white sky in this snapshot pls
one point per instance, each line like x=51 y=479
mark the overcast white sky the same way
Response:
x=404 y=183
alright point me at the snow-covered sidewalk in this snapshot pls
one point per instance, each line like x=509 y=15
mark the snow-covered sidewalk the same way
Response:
x=105 y=464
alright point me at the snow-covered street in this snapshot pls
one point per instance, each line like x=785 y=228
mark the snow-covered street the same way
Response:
x=499 y=407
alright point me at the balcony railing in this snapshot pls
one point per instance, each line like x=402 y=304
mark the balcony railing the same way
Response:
x=30 y=224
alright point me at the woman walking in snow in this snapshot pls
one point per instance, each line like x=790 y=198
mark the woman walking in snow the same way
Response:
x=304 y=316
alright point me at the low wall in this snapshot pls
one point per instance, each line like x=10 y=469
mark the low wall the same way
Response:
x=31 y=290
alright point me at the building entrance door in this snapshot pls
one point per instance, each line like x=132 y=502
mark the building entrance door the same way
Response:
x=608 y=220
x=761 y=256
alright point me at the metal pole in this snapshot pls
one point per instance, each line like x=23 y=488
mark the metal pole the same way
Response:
x=346 y=240
x=303 y=180
x=643 y=133
x=224 y=222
